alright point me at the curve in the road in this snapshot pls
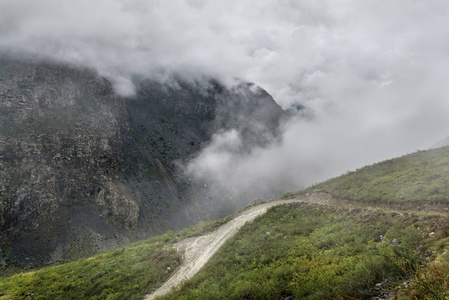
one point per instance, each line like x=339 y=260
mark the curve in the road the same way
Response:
x=198 y=250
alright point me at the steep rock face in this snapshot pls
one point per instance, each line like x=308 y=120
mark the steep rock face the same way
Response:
x=59 y=151
x=169 y=124
x=83 y=170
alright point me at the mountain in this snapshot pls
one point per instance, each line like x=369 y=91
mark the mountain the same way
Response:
x=83 y=169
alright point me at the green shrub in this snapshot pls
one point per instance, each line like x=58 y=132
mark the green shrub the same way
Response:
x=338 y=256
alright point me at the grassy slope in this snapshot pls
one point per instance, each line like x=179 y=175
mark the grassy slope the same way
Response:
x=319 y=252
x=308 y=251
x=423 y=175
x=125 y=273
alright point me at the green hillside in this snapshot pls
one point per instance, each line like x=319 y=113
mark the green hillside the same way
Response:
x=423 y=175
x=344 y=250
x=310 y=251
x=125 y=273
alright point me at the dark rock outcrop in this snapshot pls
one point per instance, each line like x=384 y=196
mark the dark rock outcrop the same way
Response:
x=83 y=170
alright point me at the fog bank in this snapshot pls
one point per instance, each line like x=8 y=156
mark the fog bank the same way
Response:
x=371 y=75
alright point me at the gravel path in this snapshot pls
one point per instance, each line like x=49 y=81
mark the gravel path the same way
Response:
x=198 y=250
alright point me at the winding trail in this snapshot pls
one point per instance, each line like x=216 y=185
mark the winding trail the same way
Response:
x=198 y=250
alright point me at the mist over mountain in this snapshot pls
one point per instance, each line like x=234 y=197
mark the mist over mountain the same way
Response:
x=371 y=77
x=362 y=82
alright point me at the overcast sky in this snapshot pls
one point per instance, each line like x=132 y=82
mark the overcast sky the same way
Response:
x=372 y=74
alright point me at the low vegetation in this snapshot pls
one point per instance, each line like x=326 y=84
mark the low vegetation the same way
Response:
x=125 y=273
x=121 y=274
x=309 y=251
x=421 y=176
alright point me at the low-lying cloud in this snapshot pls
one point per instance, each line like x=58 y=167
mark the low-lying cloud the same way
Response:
x=372 y=75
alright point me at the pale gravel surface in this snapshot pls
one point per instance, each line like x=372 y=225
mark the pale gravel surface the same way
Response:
x=198 y=250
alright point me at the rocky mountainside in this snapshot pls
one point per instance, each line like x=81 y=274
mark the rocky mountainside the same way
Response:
x=83 y=169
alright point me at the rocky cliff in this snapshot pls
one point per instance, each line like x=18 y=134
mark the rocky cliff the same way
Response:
x=83 y=170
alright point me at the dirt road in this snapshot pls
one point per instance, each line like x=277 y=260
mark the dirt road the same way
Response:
x=198 y=250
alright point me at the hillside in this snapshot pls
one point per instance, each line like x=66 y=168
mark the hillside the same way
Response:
x=295 y=251
x=125 y=273
x=319 y=248
x=312 y=251
x=418 y=178
x=381 y=231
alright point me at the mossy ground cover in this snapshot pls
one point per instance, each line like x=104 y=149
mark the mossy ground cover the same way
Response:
x=420 y=176
x=125 y=273
x=308 y=251
x=120 y=274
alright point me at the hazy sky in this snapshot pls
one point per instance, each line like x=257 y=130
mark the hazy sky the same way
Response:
x=373 y=75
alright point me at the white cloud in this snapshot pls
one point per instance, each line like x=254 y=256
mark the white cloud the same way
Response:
x=373 y=73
